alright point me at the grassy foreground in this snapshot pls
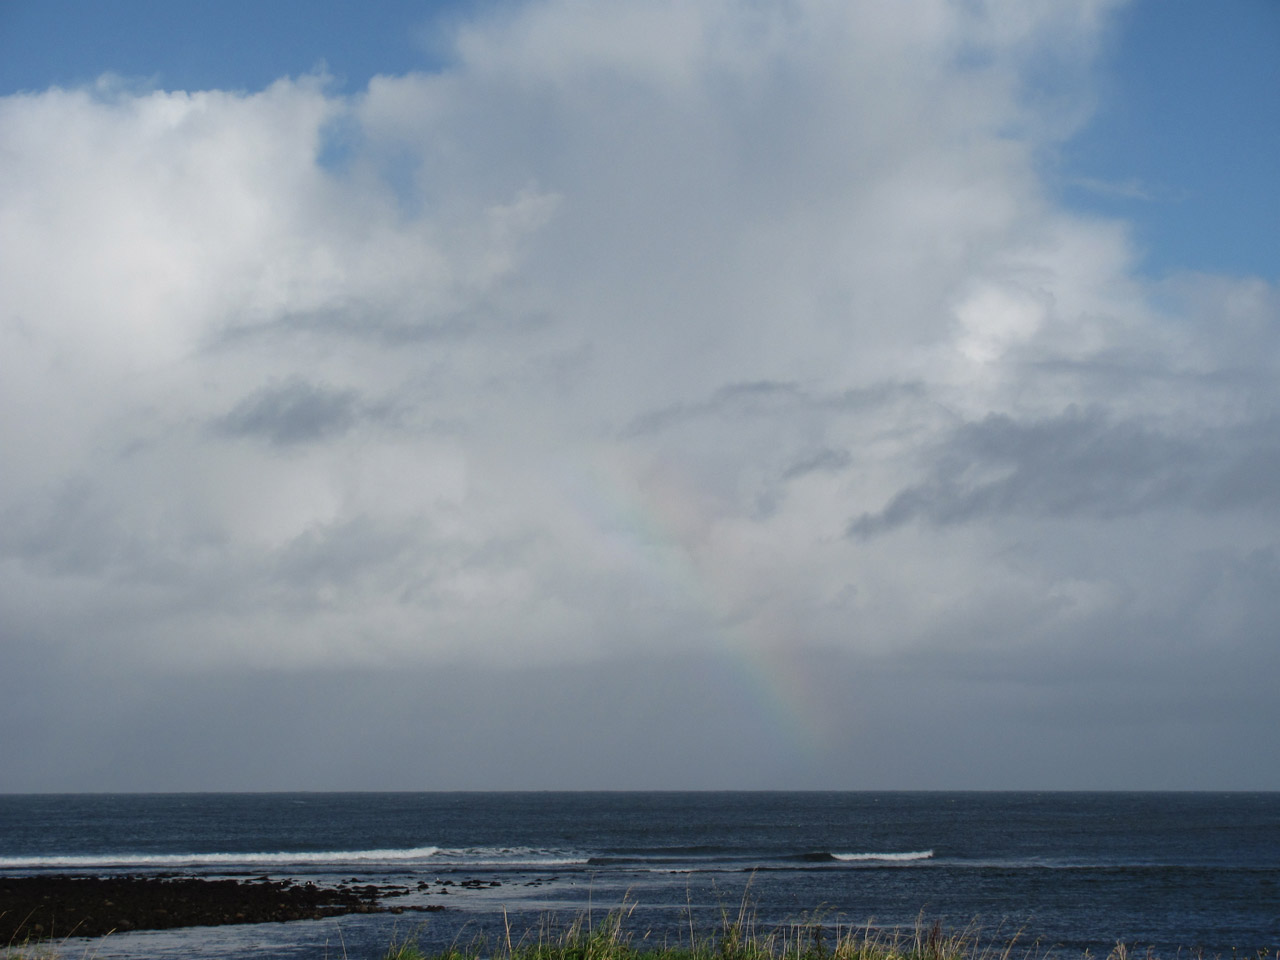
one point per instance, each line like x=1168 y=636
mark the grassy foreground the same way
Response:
x=737 y=939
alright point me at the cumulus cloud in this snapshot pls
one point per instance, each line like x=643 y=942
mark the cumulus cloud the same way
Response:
x=602 y=340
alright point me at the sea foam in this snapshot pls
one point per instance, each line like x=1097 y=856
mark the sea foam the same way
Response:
x=909 y=855
x=219 y=859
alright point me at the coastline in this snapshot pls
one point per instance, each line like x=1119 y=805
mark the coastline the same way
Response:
x=1078 y=872
x=56 y=906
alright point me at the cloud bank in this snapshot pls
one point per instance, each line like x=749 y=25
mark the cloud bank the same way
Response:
x=727 y=339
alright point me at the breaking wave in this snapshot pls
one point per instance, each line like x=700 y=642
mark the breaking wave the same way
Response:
x=892 y=857
x=219 y=859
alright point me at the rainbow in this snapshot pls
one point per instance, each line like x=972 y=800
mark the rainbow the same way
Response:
x=647 y=523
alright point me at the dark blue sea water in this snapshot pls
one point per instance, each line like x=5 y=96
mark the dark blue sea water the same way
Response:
x=1069 y=872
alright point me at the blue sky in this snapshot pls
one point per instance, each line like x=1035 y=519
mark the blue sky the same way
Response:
x=238 y=45
x=702 y=394
x=1187 y=116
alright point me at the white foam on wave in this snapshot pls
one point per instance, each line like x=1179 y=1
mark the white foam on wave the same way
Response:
x=909 y=855
x=509 y=857
x=546 y=862
x=470 y=857
x=220 y=859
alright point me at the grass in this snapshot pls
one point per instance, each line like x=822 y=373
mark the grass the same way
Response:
x=737 y=938
x=30 y=950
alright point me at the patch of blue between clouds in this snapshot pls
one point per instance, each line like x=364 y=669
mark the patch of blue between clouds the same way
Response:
x=1186 y=139
x=342 y=142
x=235 y=45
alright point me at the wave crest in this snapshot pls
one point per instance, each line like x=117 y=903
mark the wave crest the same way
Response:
x=891 y=857
x=219 y=859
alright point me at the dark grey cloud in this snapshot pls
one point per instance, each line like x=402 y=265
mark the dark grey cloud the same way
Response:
x=356 y=322
x=825 y=460
x=1084 y=464
x=764 y=398
x=294 y=412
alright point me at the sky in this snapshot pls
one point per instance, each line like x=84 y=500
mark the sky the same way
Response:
x=662 y=395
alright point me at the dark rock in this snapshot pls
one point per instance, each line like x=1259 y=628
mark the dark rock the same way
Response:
x=36 y=908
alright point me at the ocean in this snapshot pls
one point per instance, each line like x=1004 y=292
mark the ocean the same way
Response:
x=1189 y=873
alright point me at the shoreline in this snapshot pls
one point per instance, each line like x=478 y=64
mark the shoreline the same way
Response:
x=57 y=906
x=37 y=910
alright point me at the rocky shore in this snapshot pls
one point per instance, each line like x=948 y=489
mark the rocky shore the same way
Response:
x=54 y=907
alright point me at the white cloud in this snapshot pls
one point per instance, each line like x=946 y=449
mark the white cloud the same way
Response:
x=601 y=338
